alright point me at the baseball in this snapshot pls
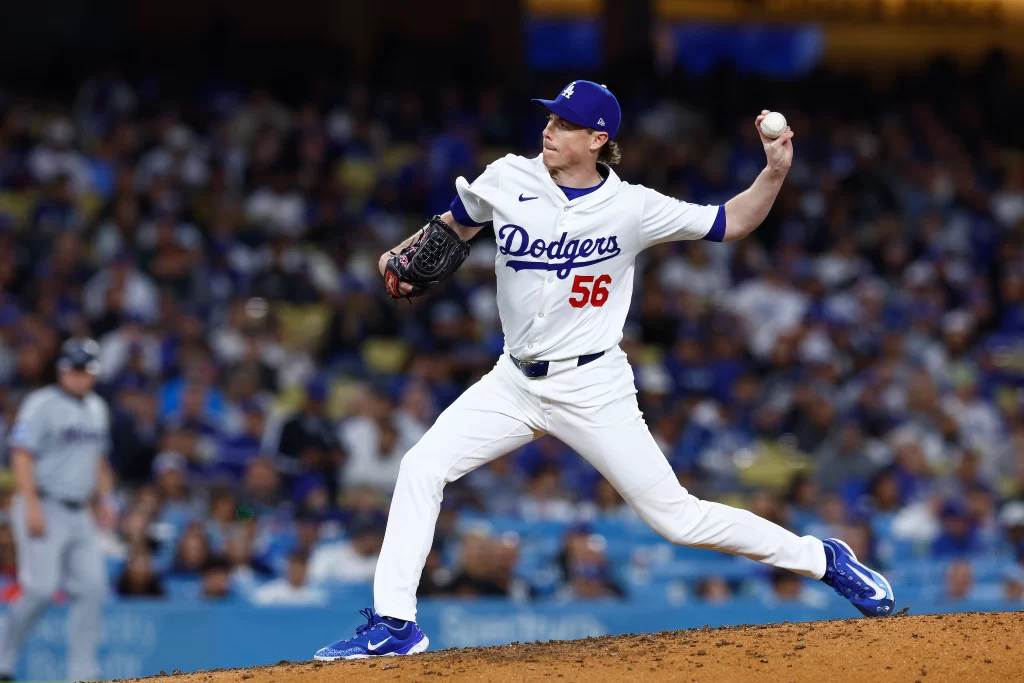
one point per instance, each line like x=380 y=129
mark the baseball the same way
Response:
x=773 y=124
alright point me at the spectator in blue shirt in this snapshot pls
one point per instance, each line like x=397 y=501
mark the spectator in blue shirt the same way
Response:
x=238 y=450
x=959 y=537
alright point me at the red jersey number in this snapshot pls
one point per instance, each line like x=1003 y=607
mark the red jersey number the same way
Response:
x=584 y=294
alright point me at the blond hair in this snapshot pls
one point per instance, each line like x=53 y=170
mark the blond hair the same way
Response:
x=609 y=153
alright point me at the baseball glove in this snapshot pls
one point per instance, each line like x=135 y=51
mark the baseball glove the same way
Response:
x=434 y=256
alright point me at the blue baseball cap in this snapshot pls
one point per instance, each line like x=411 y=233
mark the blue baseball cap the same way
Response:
x=587 y=104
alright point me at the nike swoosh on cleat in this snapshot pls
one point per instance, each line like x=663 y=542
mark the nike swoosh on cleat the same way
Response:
x=525 y=199
x=372 y=647
x=879 y=591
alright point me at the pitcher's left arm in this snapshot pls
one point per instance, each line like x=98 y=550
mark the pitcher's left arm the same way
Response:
x=747 y=210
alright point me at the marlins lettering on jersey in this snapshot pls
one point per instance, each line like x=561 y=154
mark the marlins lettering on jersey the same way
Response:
x=79 y=435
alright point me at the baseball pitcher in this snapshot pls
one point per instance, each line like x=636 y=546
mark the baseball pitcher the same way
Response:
x=59 y=443
x=568 y=232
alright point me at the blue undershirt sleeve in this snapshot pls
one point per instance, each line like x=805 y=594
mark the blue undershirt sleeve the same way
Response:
x=717 y=231
x=460 y=214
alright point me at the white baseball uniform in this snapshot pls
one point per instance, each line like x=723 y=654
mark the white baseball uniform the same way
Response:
x=565 y=278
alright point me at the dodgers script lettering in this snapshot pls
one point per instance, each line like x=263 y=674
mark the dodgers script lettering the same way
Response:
x=564 y=254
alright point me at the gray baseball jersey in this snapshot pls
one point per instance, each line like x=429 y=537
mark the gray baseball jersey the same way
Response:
x=67 y=438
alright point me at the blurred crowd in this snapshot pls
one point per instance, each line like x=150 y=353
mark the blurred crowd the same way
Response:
x=853 y=369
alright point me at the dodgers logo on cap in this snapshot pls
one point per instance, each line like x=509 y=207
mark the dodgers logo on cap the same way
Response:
x=587 y=104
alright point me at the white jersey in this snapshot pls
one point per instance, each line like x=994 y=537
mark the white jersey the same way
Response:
x=565 y=268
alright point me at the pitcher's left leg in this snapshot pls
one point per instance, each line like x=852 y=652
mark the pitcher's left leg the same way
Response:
x=683 y=519
x=598 y=417
x=615 y=439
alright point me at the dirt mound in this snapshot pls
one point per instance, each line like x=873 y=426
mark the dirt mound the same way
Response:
x=951 y=647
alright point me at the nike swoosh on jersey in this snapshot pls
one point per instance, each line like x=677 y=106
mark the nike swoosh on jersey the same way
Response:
x=879 y=591
x=525 y=199
x=373 y=646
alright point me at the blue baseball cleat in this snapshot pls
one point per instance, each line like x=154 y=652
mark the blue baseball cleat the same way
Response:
x=376 y=638
x=865 y=588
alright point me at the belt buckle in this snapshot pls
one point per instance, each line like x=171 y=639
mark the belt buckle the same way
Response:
x=527 y=366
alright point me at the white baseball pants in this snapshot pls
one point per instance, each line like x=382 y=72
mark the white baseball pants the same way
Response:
x=593 y=410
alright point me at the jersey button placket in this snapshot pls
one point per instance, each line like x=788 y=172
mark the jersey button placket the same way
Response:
x=561 y=224
x=537 y=329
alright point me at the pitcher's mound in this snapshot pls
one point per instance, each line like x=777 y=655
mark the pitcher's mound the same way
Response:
x=953 y=647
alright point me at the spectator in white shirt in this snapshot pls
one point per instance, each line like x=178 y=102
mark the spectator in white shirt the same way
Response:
x=375 y=448
x=542 y=501
x=417 y=409
x=980 y=424
x=56 y=157
x=260 y=110
x=179 y=158
x=769 y=306
x=247 y=570
x=138 y=293
x=117 y=347
x=353 y=560
x=842 y=264
x=120 y=231
x=292 y=589
x=694 y=272
x=277 y=207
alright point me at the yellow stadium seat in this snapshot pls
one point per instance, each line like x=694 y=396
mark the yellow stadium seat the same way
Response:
x=772 y=466
x=18 y=205
x=289 y=399
x=90 y=204
x=384 y=355
x=303 y=325
x=357 y=176
x=651 y=355
x=342 y=395
x=397 y=157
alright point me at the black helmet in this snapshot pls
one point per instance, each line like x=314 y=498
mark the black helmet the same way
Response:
x=80 y=354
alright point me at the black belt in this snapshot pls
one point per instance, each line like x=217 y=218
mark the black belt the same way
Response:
x=536 y=369
x=69 y=504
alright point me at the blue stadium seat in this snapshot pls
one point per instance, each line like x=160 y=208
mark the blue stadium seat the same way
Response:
x=661 y=592
x=115 y=565
x=350 y=592
x=183 y=589
x=729 y=568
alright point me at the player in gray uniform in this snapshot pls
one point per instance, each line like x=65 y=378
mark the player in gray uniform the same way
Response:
x=59 y=446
